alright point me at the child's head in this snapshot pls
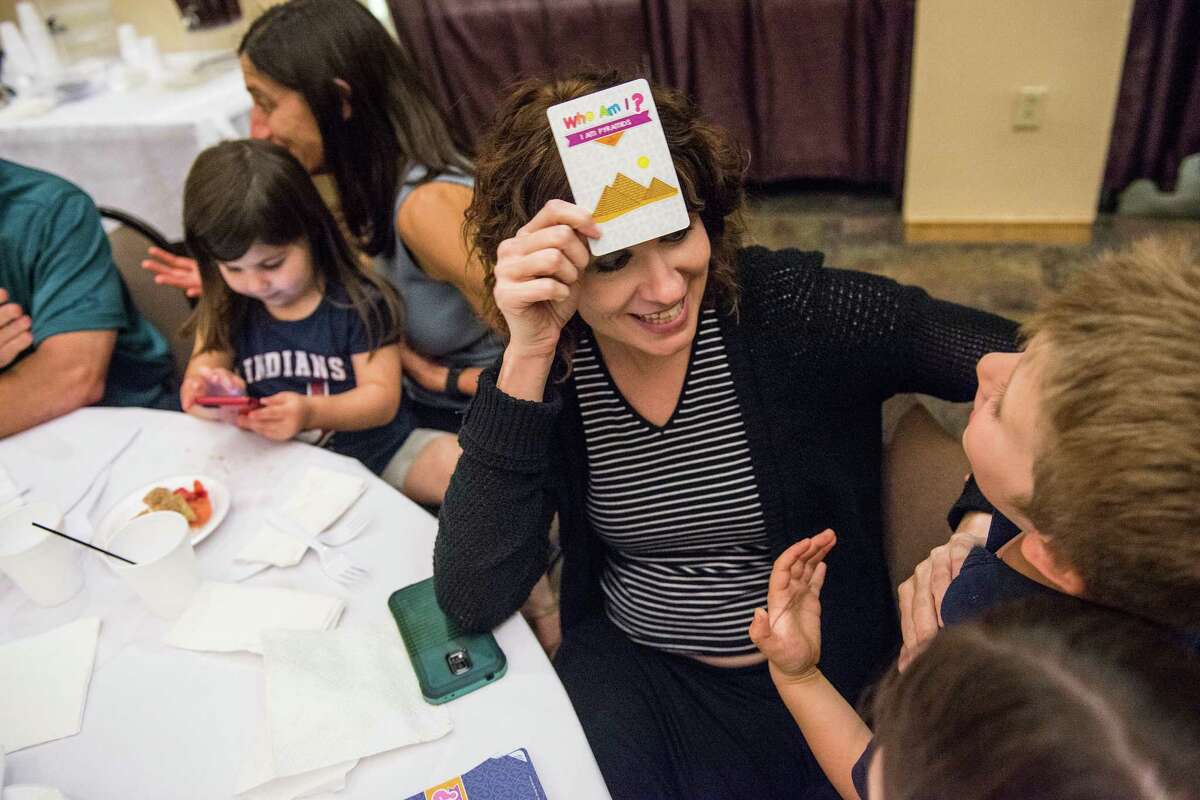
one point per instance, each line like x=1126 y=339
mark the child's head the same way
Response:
x=1091 y=437
x=257 y=226
x=1053 y=699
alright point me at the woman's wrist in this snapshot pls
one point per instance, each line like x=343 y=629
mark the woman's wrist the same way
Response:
x=523 y=374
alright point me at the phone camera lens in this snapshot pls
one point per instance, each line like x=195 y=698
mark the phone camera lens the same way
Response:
x=459 y=662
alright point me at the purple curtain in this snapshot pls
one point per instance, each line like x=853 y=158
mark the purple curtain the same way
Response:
x=469 y=51
x=1157 y=121
x=815 y=89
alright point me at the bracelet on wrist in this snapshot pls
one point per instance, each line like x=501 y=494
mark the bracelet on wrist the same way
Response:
x=452 y=388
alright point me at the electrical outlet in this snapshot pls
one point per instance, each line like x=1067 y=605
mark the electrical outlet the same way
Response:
x=1027 y=112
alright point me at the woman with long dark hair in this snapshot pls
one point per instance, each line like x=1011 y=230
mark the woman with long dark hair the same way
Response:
x=331 y=85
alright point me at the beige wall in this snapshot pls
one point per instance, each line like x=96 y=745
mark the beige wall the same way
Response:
x=965 y=162
x=160 y=19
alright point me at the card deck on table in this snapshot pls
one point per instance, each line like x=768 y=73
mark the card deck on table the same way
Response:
x=617 y=162
x=509 y=777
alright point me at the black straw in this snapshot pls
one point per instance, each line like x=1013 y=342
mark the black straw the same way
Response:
x=85 y=544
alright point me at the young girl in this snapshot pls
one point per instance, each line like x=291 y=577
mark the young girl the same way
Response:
x=1048 y=699
x=286 y=316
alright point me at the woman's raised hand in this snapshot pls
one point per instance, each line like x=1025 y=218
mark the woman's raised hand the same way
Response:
x=537 y=277
x=172 y=270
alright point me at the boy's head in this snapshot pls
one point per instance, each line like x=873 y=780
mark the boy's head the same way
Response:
x=1046 y=699
x=1090 y=439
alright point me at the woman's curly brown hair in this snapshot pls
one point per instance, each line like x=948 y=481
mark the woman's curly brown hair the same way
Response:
x=518 y=170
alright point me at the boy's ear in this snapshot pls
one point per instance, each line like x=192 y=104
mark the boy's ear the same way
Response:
x=344 y=90
x=1033 y=547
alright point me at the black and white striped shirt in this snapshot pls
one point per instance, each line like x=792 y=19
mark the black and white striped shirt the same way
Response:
x=678 y=506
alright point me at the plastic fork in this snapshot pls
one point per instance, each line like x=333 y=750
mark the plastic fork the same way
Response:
x=336 y=565
x=347 y=531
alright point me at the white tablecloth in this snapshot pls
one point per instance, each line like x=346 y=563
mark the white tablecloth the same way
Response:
x=132 y=150
x=167 y=723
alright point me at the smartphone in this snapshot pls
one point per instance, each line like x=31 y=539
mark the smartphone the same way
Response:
x=236 y=401
x=449 y=662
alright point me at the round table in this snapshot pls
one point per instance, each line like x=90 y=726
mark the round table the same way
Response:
x=168 y=723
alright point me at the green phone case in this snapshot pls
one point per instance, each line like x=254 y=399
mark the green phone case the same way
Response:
x=449 y=663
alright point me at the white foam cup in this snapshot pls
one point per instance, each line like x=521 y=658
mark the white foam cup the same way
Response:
x=164 y=573
x=45 y=567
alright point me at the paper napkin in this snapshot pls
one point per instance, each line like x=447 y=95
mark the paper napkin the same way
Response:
x=258 y=780
x=337 y=696
x=26 y=791
x=61 y=459
x=45 y=682
x=320 y=497
x=223 y=617
x=10 y=499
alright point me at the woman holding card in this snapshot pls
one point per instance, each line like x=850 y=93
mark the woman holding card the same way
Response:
x=688 y=408
x=331 y=85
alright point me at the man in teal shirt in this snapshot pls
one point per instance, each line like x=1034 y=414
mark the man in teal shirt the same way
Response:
x=69 y=333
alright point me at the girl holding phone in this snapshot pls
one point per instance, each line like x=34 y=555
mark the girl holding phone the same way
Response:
x=286 y=316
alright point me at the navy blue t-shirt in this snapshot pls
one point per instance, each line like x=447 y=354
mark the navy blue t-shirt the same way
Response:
x=985 y=581
x=313 y=356
x=858 y=773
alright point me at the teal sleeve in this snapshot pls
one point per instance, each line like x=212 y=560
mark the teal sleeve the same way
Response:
x=76 y=286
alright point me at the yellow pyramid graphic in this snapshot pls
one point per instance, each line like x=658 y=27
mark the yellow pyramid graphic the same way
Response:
x=625 y=194
x=658 y=190
x=614 y=203
x=629 y=187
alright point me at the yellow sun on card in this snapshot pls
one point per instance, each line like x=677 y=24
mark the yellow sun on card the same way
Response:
x=643 y=162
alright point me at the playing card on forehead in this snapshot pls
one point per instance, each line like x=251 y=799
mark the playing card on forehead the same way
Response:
x=615 y=153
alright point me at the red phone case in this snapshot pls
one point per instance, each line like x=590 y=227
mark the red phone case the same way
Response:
x=240 y=401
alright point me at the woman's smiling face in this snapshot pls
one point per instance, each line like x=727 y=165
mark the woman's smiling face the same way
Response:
x=647 y=298
x=282 y=115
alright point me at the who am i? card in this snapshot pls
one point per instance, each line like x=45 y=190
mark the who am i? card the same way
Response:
x=617 y=162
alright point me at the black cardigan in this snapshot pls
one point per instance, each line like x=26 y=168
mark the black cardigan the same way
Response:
x=814 y=352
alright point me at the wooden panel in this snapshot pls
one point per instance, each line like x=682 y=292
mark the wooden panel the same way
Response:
x=1032 y=232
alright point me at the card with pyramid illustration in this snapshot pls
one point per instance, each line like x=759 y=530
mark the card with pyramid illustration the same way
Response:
x=619 y=166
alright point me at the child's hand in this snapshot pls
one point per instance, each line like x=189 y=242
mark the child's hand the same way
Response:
x=789 y=632
x=204 y=381
x=281 y=417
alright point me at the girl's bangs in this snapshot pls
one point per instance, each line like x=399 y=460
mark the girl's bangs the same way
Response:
x=249 y=215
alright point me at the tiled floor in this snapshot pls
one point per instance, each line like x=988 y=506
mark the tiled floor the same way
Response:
x=865 y=232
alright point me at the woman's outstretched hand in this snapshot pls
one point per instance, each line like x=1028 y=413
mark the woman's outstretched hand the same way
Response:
x=172 y=270
x=788 y=632
x=537 y=277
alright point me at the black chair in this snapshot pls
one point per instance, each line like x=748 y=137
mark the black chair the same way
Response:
x=166 y=307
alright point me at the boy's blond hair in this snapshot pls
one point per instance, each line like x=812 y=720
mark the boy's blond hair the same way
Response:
x=1116 y=484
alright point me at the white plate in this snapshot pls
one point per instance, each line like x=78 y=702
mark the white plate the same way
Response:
x=131 y=505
